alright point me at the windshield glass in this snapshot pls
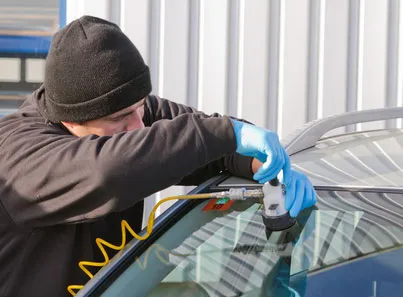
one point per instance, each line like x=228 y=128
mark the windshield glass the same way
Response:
x=227 y=250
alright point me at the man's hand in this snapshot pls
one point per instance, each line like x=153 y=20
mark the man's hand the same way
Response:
x=263 y=145
x=256 y=164
x=300 y=193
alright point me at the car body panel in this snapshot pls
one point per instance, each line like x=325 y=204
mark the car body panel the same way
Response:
x=377 y=275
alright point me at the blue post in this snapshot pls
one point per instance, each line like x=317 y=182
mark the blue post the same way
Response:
x=62 y=13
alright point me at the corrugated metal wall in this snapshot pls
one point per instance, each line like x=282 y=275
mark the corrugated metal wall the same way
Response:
x=278 y=63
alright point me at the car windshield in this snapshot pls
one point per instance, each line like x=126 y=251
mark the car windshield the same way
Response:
x=226 y=250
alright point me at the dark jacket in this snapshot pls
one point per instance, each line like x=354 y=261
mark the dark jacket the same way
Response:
x=59 y=192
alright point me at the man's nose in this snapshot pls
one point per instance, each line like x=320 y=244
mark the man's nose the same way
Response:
x=134 y=122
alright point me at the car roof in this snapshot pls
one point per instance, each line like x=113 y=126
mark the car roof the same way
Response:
x=370 y=160
x=365 y=160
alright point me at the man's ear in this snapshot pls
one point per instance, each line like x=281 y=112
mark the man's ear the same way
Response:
x=72 y=127
x=68 y=124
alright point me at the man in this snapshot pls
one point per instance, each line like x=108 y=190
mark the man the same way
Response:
x=86 y=148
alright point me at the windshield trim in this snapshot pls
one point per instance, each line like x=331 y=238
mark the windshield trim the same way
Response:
x=342 y=188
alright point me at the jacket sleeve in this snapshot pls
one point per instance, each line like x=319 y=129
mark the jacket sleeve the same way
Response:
x=48 y=176
x=159 y=108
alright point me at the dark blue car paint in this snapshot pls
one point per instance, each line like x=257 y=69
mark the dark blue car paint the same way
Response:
x=380 y=275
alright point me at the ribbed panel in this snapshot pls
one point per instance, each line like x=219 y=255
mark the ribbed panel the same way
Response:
x=276 y=63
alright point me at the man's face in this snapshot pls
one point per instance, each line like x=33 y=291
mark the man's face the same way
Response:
x=124 y=120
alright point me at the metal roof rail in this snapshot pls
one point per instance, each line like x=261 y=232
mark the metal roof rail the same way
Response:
x=311 y=132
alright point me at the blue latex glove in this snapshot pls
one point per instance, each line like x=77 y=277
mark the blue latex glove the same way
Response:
x=263 y=145
x=300 y=193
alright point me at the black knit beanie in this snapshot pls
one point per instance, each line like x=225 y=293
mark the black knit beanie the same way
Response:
x=92 y=70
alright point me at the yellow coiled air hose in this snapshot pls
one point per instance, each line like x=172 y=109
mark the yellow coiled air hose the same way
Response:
x=73 y=289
